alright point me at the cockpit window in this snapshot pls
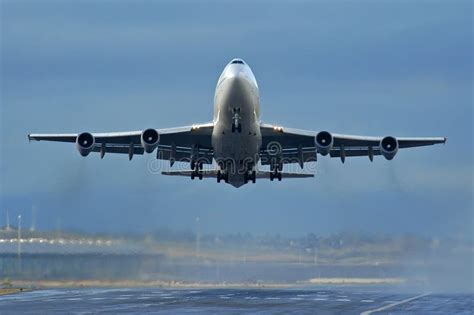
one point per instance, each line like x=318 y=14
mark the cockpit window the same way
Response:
x=237 y=61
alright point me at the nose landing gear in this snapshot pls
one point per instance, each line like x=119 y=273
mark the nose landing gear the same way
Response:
x=236 y=125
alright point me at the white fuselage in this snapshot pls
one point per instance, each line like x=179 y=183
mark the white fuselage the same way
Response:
x=236 y=138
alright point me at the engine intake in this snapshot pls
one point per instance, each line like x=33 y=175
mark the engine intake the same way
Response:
x=389 y=147
x=85 y=142
x=324 y=141
x=150 y=139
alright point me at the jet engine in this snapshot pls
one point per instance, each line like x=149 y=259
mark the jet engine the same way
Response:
x=150 y=139
x=324 y=141
x=389 y=147
x=85 y=142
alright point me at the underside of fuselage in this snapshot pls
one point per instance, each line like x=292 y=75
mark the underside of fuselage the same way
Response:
x=236 y=138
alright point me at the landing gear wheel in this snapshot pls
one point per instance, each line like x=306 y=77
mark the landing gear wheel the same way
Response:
x=219 y=176
x=237 y=128
x=193 y=175
x=200 y=175
x=279 y=177
x=254 y=176
x=272 y=176
x=193 y=165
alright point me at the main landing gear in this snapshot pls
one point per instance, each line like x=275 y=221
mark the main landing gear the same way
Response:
x=197 y=170
x=222 y=176
x=250 y=176
x=275 y=174
x=276 y=171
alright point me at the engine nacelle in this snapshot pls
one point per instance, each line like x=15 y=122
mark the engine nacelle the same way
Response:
x=389 y=147
x=85 y=142
x=150 y=139
x=324 y=141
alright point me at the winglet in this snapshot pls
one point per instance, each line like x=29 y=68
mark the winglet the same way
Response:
x=29 y=137
x=445 y=138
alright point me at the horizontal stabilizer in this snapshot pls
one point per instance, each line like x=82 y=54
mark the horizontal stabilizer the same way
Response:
x=266 y=174
x=213 y=174
x=187 y=173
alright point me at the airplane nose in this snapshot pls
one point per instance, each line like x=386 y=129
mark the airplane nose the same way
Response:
x=237 y=61
x=238 y=81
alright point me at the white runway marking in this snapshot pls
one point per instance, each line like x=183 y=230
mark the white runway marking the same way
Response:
x=383 y=308
x=272 y=298
x=144 y=297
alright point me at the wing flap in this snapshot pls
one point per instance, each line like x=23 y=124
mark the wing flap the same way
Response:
x=362 y=151
x=59 y=137
x=118 y=149
x=419 y=142
x=288 y=156
x=183 y=154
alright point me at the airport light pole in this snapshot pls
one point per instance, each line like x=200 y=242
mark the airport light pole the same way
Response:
x=33 y=218
x=198 y=237
x=8 y=221
x=19 y=242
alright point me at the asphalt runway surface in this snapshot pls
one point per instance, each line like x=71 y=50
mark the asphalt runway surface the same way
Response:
x=330 y=300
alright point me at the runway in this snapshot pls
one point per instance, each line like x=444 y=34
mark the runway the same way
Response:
x=330 y=300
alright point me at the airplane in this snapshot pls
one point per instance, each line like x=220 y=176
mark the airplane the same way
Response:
x=237 y=140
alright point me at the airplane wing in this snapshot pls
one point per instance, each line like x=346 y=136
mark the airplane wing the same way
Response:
x=175 y=144
x=290 y=145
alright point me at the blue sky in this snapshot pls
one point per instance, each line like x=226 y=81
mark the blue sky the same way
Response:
x=371 y=68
